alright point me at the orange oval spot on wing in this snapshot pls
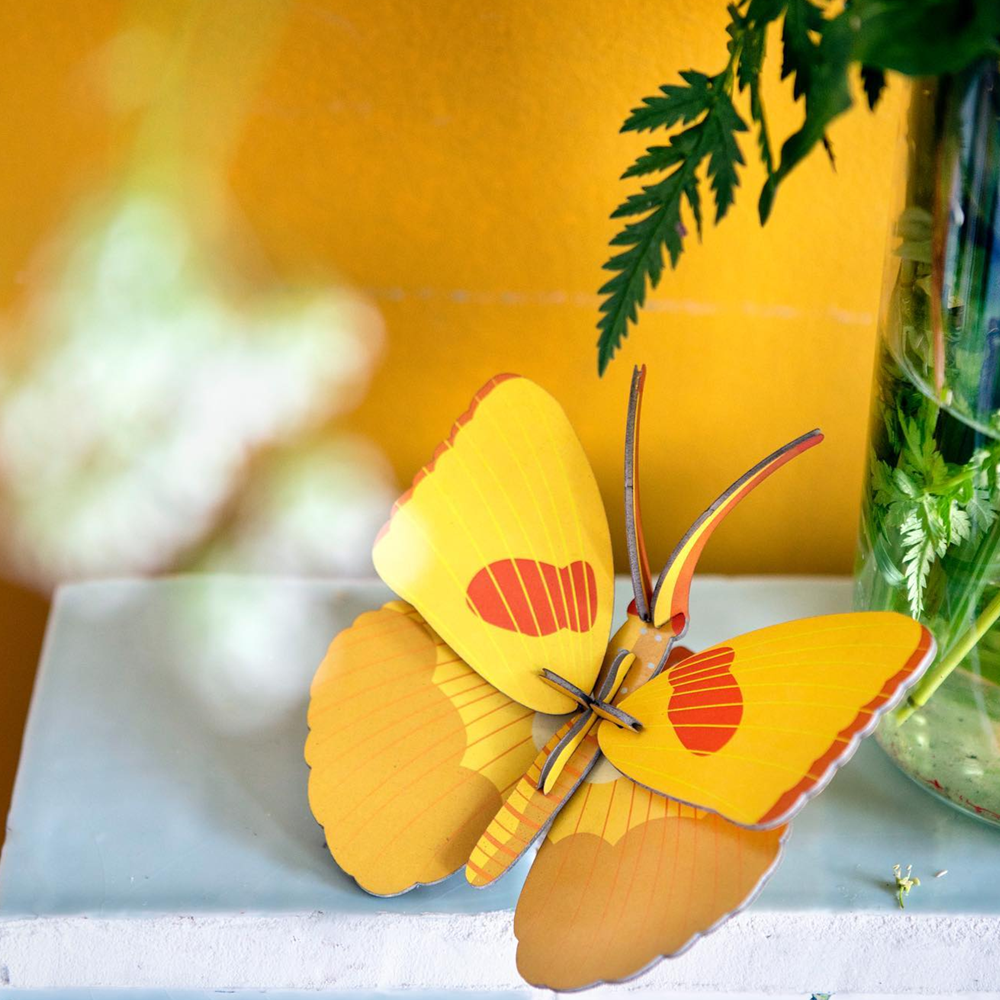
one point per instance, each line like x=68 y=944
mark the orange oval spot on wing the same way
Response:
x=535 y=598
x=706 y=705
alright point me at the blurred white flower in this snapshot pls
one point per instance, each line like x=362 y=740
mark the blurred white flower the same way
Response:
x=154 y=376
x=311 y=510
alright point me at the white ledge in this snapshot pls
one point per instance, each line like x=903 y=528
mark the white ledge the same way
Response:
x=159 y=836
x=764 y=953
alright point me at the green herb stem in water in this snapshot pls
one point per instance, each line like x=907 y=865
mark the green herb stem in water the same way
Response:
x=931 y=517
x=936 y=676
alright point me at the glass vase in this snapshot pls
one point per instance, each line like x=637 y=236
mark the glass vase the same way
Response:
x=929 y=541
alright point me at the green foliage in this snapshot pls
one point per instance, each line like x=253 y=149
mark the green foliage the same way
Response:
x=750 y=62
x=707 y=103
x=925 y=37
x=873 y=80
x=930 y=524
x=803 y=21
x=905 y=882
x=822 y=43
x=923 y=506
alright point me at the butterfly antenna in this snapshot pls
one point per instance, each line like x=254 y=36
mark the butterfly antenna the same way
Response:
x=670 y=597
x=638 y=561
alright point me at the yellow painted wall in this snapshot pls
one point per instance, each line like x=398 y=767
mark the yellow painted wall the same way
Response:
x=458 y=161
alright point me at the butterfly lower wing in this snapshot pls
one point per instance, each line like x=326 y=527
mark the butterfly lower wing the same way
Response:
x=755 y=726
x=626 y=876
x=527 y=811
x=502 y=544
x=411 y=751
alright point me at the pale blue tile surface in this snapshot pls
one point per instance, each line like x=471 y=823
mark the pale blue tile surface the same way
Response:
x=163 y=772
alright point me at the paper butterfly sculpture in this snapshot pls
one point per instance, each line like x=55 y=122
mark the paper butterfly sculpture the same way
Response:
x=486 y=710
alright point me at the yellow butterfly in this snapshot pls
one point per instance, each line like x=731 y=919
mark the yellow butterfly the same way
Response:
x=485 y=710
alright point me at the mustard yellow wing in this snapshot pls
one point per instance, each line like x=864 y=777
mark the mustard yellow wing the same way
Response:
x=503 y=545
x=626 y=876
x=754 y=727
x=411 y=751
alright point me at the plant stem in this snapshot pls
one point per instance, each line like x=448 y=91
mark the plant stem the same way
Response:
x=936 y=676
x=948 y=486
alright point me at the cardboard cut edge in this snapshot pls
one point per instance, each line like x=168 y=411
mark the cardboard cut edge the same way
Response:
x=638 y=561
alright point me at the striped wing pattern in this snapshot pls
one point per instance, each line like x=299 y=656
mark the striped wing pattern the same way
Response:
x=780 y=709
x=706 y=705
x=502 y=543
x=535 y=598
x=424 y=716
x=626 y=876
x=412 y=752
x=527 y=810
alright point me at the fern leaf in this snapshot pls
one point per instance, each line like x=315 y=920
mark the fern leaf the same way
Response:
x=802 y=20
x=724 y=157
x=712 y=138
x=678 y=105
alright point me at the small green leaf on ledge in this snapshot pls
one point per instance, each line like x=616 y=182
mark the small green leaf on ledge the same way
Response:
x=904 y=883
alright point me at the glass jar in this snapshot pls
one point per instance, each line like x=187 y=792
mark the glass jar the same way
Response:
x=929 y=541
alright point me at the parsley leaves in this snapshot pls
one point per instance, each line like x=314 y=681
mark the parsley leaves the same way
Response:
x=923 y=506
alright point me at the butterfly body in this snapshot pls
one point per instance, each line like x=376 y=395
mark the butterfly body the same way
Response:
x=637 y=652
x=486 y=713
x=643 y=650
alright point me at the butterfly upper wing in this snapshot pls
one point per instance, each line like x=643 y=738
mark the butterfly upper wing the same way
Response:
x=503 y=545
x=755 y=726
x=412 y=752
x=626 y=876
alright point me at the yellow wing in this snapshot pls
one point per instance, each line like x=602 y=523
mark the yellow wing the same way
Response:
x=626 y=876
x=412 y=752
x=754 y=727
x=503 y=545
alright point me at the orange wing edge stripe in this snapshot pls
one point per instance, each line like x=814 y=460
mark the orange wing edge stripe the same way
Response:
x=864 y=723
x=444 y=446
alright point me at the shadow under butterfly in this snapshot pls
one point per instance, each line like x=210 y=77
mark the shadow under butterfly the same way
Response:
x=486 y=710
